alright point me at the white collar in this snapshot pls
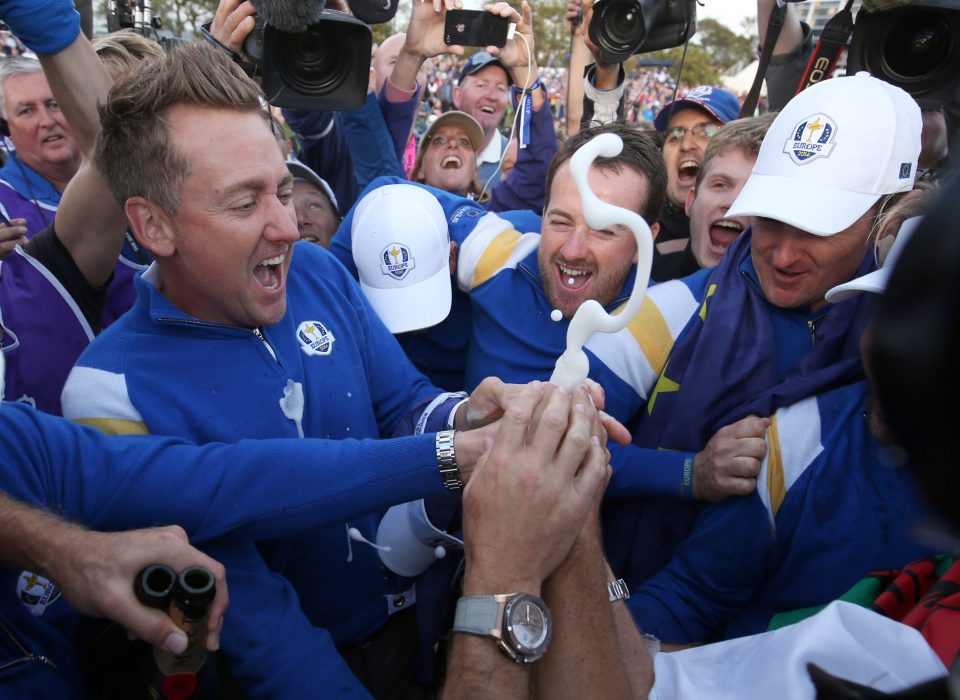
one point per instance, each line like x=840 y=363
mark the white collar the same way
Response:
x=493 y=150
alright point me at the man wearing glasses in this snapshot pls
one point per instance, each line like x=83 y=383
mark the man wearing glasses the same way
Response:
x=687 y=124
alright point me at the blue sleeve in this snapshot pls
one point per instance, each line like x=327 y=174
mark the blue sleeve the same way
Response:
x=399 y=117
x=641 y=472
x=525 y=186
x=324 y=148
x=254 y=489
x=271 y=649
x=45 y=26
x=371 y=144
x=713 y=573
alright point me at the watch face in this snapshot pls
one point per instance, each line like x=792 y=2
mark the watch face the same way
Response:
x=528 y=624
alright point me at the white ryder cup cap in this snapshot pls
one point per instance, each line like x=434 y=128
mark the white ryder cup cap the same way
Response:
x=401 y=246
x=876 y=281
x=832 y=152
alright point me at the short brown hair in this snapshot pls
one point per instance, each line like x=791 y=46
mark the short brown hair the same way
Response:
x=639 y=153
x=134 y=150
x=740 y=134
x=121 y=51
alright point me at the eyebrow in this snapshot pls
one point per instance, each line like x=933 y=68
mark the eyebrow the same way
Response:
x=556 y=211
x=254 y=184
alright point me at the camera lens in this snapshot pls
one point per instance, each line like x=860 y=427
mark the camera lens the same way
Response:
x=621 y=23
x=315 y=62
x=918 y=47
x=621 y=26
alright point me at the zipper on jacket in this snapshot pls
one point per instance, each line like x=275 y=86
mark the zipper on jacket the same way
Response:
x=28 y=656
x=255 y=331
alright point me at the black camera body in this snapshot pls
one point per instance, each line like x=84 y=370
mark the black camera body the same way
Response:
x=621 y=28
x=324 y=67
x=915 y=46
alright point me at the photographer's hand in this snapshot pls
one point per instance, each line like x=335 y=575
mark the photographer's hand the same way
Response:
x=424 y=40
x=518 y=55
x=232 y=23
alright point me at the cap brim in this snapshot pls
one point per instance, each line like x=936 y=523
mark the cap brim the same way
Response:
x=301 y=171
x=671 y=108
x=874 y=282
x=822 y=210
x=405 y=309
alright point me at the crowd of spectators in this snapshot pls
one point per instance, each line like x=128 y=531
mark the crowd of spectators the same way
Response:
x=349 y=360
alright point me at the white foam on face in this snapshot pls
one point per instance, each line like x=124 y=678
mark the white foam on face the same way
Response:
x=573 y=366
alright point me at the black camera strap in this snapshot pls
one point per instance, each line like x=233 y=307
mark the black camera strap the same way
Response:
x=766 y=52
x=835 y=36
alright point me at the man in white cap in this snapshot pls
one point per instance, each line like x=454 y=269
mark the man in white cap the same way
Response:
x=763 y=342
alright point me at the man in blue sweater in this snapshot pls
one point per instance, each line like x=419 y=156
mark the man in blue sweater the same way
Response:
x=233 y=338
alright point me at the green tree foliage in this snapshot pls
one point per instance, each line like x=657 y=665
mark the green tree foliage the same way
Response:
x=726 y=47
x=698 y=67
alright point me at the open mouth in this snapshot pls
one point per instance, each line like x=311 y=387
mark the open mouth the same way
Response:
x=451 y=163
x=571 y=278
x=269 y=272
x=723 y=233
x=52 y=138
x=688 y=170
x=487 y=109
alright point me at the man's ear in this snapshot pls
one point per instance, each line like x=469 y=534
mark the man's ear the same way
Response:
x=691 y=195
x=654 y=231
x=456 y=96
x=152 y=226
x=453 y=258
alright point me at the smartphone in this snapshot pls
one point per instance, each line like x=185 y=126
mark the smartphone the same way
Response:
x=475 y=28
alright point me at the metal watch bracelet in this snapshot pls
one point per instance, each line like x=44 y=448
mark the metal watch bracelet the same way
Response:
x=617 y=590
x=447 y=460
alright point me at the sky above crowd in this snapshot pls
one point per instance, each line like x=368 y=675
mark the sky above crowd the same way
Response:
x=728 y=12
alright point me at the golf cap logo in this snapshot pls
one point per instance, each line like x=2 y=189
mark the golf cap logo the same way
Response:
x=396 y=261
x=811 y=138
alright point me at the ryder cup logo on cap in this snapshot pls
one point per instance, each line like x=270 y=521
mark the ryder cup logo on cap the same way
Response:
x=401 y=247
x=396 y=260
x=831 y=153
x=811 y=138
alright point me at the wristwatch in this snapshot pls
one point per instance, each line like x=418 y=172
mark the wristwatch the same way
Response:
x=519 y=622
x=447 y=460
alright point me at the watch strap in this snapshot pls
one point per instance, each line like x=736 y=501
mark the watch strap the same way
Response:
x=477 y=614
x=618 y=590
x=447 y=460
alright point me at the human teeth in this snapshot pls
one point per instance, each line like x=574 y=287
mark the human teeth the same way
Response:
x=572 y=273
x=729 y=224
x=275 y=261
x=451 y=160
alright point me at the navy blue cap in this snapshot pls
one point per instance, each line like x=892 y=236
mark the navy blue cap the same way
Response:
x=480 y=60
x=718 y=103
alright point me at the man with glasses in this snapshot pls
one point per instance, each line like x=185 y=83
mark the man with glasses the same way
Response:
x=687 y=125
